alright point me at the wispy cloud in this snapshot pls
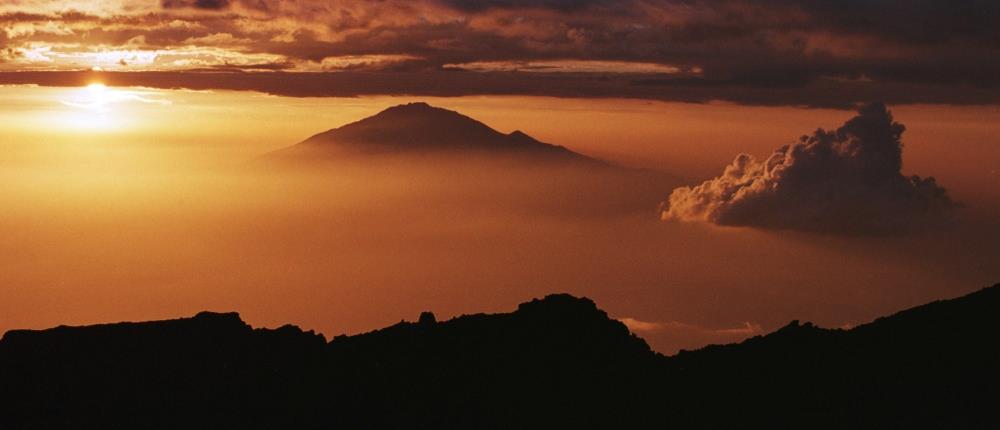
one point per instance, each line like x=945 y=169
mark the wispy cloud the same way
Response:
x=97 y=97
x=676 y=328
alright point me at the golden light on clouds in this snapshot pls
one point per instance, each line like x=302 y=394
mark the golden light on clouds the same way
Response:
x=101 y=108
x=573 y=66
x=805 y=54
x=130 y=129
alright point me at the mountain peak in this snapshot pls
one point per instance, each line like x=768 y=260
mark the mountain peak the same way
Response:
x=422 y=128
x=416 y=108
x=413 y=106
x=421 y=114
x=518 y=134
x=219 y=317
x=562 y=304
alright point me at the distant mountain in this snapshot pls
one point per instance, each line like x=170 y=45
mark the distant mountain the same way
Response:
x=419 y=128
x=558 y=362
x=438 y=152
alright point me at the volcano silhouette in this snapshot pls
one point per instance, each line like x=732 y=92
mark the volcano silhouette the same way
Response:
x=419 y=128
x=438 y=153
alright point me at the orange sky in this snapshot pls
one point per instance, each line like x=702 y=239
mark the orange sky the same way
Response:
x=217 y=128
x=129 y=128
x=127 y=203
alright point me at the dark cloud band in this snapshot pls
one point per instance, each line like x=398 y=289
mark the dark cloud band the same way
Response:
x=196 y=4
x=819 y=93
x=790 y=52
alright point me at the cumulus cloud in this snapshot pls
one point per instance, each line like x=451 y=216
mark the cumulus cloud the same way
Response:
x=845 y=181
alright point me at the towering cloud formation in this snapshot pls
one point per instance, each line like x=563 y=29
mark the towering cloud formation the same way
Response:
x=844 y=181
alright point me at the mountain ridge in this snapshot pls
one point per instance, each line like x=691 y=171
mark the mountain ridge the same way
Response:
x=553 y=362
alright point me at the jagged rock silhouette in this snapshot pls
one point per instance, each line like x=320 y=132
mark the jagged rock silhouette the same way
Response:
x=556 y=362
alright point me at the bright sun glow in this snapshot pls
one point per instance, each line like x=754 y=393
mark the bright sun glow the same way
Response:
x=94 y=97
x=98 y=107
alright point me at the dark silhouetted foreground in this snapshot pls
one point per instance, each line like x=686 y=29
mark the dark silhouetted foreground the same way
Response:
x=558 y=362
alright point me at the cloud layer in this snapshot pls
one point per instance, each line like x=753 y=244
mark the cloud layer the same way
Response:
x=691 y=336
x=846 y=181
x=663 y=49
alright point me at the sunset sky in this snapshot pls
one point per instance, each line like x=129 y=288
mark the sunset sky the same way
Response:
x=126 y=129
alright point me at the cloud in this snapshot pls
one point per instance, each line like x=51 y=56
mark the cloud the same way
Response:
x=691 y=335
x=6 y=53
x=789 y=52
x=97 y=97
x=196 y=4
x=565 y=5
x=387 y=79
x=846 y=181
x=638 y=326
x=567 y=67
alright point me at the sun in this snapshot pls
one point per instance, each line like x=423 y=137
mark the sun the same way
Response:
x=95 y=97
x=97 y=106
x=91 y=107
x=99 y=96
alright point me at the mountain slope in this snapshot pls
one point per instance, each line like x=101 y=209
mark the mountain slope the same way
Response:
x=933 y=366
x=418 y=128
x=216 y=371
x=435 y=154
x=553 y=363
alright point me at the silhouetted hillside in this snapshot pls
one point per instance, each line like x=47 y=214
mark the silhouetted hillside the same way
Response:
x=558 y=362
x=934 y=366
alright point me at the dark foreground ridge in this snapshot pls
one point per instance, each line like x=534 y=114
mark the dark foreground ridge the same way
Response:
x=558 y=362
